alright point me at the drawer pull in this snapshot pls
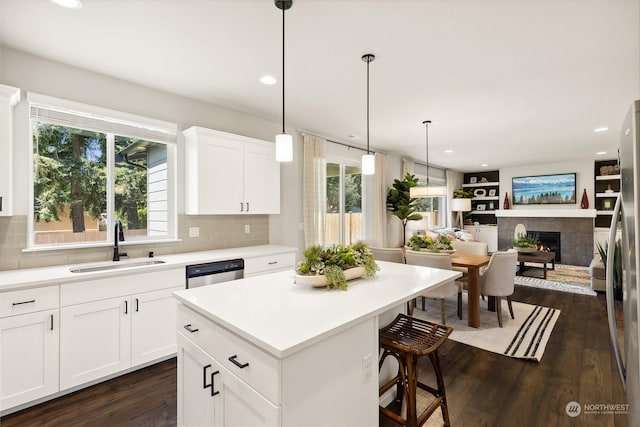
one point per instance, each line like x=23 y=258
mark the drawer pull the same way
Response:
x=233 y=360
x=52 y=322
x=272 y=262
x=213 y=393
x=126 y=307
x=137 y=305
x=24 y=302
x=190 y=329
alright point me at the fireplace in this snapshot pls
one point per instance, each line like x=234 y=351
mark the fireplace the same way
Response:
x=549 y=241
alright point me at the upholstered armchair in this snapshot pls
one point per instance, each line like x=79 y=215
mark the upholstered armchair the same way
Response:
x=388 y=254
x=498 y=279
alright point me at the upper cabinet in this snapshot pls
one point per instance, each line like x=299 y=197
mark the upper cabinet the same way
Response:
x=229 y=174
x=9 y=96
x=607 y=188
x=485 y=187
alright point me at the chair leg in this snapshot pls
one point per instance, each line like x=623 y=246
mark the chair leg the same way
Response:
x=442 y=313
x=499 y=310
x=510 y=307
x=460 y=305
x=423 y=299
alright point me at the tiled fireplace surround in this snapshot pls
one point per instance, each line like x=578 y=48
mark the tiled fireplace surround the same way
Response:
x=576 y=235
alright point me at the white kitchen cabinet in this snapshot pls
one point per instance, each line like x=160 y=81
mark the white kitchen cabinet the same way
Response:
x=210 y=395
x=485 y=233
x=269 y=264
x=229 y=174
x=153 y=324
x=9 y=96
x=95 y=340
x=28 y=357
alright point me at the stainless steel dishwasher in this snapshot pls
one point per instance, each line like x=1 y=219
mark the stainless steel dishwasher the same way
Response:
x=209 y=273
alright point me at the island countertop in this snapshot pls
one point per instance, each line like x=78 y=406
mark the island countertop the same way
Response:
x=282 y=317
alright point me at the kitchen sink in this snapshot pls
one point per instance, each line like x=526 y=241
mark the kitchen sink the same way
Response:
x=115 y=266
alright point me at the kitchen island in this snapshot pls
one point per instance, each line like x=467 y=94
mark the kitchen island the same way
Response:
x=266 y=351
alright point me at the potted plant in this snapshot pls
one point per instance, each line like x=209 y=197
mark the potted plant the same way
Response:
x=526 y=243
x=401 y=204
x=441 y=244
x=617 y=265
x=333 y=266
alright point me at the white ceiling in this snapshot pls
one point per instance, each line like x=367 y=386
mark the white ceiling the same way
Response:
x=505 y=82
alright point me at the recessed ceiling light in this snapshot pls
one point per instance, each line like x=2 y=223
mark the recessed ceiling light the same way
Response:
x=600 y=153
x=71 y=4
x=448 y=151
x=484 y=165
x=268 y=80
x=603 y=129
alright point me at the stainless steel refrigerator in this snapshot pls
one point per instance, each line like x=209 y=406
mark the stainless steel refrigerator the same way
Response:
x=627 y=206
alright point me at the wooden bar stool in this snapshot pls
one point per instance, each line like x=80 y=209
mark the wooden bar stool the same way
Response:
x=406 y=339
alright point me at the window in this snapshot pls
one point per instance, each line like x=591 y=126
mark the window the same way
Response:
x=93 y=167
x=343 y=222
x=431 y=208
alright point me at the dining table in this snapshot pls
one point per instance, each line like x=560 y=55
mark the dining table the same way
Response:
x=472 y=263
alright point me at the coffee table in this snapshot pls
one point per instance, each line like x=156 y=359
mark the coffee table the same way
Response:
x=538 y=257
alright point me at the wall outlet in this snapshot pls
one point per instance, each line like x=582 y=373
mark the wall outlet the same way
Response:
x=194 y=231
x=247 y=228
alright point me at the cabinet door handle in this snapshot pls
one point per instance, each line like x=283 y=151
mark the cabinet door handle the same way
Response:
x=211 y=384
x=247 y=206
x=233 y=360
x=137 y=305
x=190 y=329
x=241 y=207
x=24 y=302
x=126 y=307
x=272 y=262
x=51 y=322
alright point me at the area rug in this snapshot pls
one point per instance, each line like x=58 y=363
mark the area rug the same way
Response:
x=524 y=337
x=565 y=278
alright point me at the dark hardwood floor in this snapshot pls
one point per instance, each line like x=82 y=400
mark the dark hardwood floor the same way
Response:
x=483 y=388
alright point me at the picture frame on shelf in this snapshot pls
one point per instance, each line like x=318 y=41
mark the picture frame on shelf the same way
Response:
x=481 y=207
x=492 y=192
x=480 y=192
x=491 y=206
x=473 y=180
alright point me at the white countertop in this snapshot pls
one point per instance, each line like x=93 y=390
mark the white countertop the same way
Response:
x=282 y=317
x=32 y=277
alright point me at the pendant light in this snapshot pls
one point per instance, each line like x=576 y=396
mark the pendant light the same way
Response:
x=427 y=191
x=284 y=142
x=368 y=160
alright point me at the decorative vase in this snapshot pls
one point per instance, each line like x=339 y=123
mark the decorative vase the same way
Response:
x=506 y=201
x=585 y=200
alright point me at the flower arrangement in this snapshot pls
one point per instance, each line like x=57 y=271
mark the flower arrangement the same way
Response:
x=333 y=261
x=442 y=243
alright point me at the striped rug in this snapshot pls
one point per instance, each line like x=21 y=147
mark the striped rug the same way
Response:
x=524 y=337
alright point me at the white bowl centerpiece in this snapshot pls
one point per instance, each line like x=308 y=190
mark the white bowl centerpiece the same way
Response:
x=333 y=266
x=526 y=243
x=429 y=244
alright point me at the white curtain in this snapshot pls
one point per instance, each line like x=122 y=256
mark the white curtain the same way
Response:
x=376 y=211
x=315 y=190
x=454 y=181
x=408 y=166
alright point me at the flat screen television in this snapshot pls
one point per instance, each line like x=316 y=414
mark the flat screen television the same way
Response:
x=559 y=189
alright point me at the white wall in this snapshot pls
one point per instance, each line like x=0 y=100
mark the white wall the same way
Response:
x=584 y=180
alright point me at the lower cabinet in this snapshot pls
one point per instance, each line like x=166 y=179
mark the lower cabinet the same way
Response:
x=485 y=233
x=104 y=337
x=28 y=357
x=210 y=395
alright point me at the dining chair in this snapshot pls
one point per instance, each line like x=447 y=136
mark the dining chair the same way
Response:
x=388 y=254
x=498 y=279
x=446 y=290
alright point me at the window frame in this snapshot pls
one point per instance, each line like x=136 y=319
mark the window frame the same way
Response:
x=119 y=120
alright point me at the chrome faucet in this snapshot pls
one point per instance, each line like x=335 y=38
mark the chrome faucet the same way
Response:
x=118 y=235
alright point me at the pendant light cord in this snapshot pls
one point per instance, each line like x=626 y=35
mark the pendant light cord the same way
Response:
x=283 y=9
x=368 y=106
x=426 y=129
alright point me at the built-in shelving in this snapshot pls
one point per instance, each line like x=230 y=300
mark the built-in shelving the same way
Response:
x=606 y=190
x=485 y=187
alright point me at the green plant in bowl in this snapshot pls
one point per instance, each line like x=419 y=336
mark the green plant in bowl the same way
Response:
x=442 y=243
x=331 y=262
x=525 y=241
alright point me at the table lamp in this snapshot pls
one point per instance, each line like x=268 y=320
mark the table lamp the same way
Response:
x=460 y=205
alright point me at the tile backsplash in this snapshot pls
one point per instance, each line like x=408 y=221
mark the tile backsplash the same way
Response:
x=216 y=232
